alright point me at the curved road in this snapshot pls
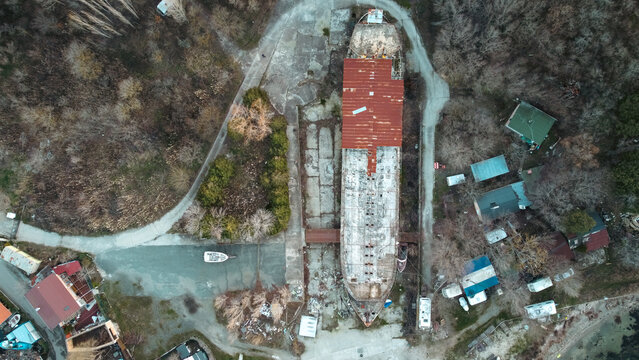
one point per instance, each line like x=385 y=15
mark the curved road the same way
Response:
x=288 y=15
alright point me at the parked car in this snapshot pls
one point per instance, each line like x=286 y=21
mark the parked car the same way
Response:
x=463 y=303
x=564 y=275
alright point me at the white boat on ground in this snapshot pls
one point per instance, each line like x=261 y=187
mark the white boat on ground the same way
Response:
x=216 y=257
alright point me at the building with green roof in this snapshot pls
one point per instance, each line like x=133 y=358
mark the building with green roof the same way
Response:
x=499 y=202
x=530 y=123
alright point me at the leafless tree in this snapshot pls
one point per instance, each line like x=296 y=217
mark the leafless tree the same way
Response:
x=176 y=10
x=252 y=122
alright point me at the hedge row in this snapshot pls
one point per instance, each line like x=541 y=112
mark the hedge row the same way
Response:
x=275 y=178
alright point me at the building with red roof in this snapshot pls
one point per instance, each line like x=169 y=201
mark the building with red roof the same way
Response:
x=5 y=314
x=595 y=238
x=54 y=301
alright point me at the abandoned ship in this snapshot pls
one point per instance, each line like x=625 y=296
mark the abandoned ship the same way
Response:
x=373 y=96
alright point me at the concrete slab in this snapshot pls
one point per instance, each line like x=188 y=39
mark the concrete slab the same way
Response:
x=325 y=143
x=326 y=172
x=328 y=221
x=313 y=222
x=339 y=20
x=312 y=196
x=311 y=137
x=311 y=162
x=320 y=112
x=327 y=200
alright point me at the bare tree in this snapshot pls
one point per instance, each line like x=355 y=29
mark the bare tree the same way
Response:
x=252 y=123
x=176 y=10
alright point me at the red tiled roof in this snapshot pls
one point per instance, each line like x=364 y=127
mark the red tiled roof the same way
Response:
x=53 y=301
x=4 y=313
x=377 y=101
x=69 y=268
x=597 y=240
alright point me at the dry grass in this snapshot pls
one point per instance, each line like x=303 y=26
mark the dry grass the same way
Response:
x=253 y=122
x=104 y=135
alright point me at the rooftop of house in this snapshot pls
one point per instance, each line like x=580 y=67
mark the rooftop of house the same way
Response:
x=489 y=168
x=480 y=275
x=595 y=238
x=558 y=246
x=68 y=268
x=505 y=200
x=53 y=301
x=530 y=123
x=4 y=313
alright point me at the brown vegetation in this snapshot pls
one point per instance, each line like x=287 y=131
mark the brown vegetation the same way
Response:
x=111 y=136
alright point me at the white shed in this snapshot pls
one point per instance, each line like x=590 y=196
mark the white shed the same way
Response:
x=496 y=235
x=424 y=313
x=308 y=326
x=455 y=179
x=540 y=284
x=20 y=259
x=451 y=291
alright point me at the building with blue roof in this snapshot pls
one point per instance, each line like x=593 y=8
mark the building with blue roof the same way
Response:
x=22 y=338
x=489 y=168
x=502 y=201
x=479 y=276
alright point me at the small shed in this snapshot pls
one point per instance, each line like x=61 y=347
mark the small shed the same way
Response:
x=163 y=7
x=424 y=313
x=541 y=310
x=308 y=326
x=183 y=351
x=496 y=235
x=456 y=179
x=540 y=284
x=20 y=259
x=530 y=123
x=489 y=168
x=480 y=275
x=451 y=291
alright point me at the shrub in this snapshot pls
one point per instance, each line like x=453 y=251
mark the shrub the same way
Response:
x=626 y=174
x=211 y=191
x=628 y=112
x=82 y=61
x=275 y=178
x=577 y=222
x=231 y=227
x=253 y=94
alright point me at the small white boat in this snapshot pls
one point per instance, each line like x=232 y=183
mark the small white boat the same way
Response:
x=13 y=322
x=216 y=257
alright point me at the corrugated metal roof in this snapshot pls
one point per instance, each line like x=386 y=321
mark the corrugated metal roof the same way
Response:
x=20 y=259
x=368 y=84
x=530 y=122
x=4 y=313
x=505 y=200
x=53 y=301
x=480 y=275
x=489 y=168
x=69 y=268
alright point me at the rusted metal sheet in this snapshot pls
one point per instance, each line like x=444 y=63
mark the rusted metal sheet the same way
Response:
x=314 y=236
x=322 y=236
x=371 y=106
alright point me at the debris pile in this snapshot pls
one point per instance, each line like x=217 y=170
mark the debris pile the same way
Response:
x=256 y=316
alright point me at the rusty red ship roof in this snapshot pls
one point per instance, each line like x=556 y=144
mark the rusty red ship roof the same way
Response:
x=371 y=106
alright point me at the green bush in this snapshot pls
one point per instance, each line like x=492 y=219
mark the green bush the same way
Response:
x=578 y=222
x=231 y=227
x=253 y=94
x=212 y=190
x=626 y=174
x=628 y=112
x=275 y=177
x=326 y=31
